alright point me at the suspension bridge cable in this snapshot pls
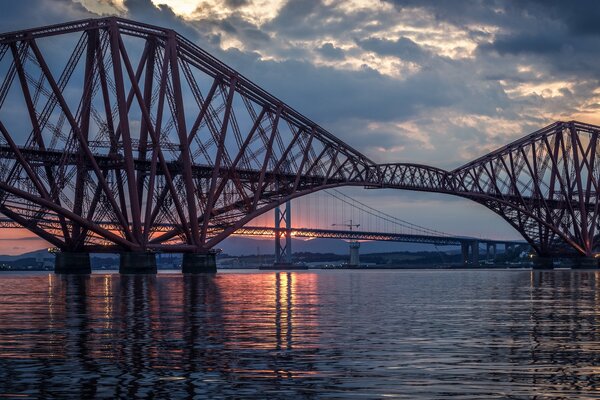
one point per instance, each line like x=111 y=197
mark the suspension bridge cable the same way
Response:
x=382 y=215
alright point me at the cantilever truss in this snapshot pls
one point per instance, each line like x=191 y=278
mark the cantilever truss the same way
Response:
x=121 y=136
x=545 y=185
x=142 y=129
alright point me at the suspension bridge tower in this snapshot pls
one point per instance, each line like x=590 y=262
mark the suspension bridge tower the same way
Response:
x=283 y=251
x=283 y=240
x=354 y=245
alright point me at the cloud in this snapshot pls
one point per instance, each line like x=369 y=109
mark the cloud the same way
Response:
x=403 y=48
x=328 y=50
x=361 y=73
x=236 y=3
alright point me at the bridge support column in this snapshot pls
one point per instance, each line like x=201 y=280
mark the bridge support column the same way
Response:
x=474 y=252
x=464 y=249
x=198 y=263
x=72 y=263
x=490 y=253
x=585 y=263
x=543 y=263
x=137 y=263
x=354 y=254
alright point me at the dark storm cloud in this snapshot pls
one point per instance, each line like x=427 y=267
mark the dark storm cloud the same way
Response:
x=236 y=3
x=327 y=94
x=546 y=43
x=563 y=35
x=161 y=15
x=462 y=12
x=295 y=16
x=403 y=48
x=312 y=18
x=328 y=50
x=251 y=36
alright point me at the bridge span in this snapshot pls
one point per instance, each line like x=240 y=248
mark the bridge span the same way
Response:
x=135 y=125
x=470 y=246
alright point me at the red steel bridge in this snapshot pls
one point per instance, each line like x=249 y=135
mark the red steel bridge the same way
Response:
x=132 y=124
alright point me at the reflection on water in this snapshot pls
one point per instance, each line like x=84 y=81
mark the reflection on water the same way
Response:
x=328 y=334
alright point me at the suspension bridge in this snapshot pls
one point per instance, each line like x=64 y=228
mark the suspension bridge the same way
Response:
x=118 y=136
x=320 y=215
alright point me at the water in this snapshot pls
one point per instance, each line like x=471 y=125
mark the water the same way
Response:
x=326 y=334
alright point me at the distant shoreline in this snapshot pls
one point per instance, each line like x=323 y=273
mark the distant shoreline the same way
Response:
x=341 y=268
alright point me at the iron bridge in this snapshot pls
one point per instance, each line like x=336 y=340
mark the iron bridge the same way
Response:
x=113 y=120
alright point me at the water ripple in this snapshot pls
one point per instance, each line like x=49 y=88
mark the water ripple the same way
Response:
x=327 y=334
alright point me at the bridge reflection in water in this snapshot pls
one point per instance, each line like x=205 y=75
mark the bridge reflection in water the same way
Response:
x=155 y=334
x=417 y=334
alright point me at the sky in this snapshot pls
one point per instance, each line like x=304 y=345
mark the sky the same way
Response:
x=437 y=83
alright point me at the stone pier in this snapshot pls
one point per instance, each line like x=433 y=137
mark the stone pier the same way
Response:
x=585 y=263
x=470 y=252
x=543 y=263
x=198 y=263
x=72 y=263
x=137 y=263
x=490 y=252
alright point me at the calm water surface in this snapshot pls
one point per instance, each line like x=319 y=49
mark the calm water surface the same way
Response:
x=327 y=334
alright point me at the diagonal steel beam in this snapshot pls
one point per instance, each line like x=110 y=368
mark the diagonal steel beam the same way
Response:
x=77 y=131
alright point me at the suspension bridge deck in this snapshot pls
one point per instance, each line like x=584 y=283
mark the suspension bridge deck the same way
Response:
x=375 y=236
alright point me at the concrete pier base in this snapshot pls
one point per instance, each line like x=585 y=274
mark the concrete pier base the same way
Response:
x=354 y=253
x=137 y=263
x=470 y=253
x=199 y=263
x=585 y=263
x=543 y=263
x=72 y=263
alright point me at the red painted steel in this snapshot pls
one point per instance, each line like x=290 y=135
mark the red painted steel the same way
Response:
x=174 y=151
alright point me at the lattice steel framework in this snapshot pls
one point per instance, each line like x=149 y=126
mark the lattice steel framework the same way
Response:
x=545 y=185
x=112 y=130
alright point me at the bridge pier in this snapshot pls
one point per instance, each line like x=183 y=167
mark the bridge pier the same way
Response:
x=470 y=252
x=543 y=263
x=475 y=252
x=585 y=263
x=72 y=263
x=354 y=254
x=137 y=263
x=198 y=263
x=464 y=250
x=492 y=253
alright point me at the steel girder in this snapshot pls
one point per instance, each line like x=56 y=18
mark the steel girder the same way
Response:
x=133 y=125
x=143 y=129
x=545 y=185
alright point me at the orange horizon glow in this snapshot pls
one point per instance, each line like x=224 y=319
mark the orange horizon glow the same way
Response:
x=17 y=241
